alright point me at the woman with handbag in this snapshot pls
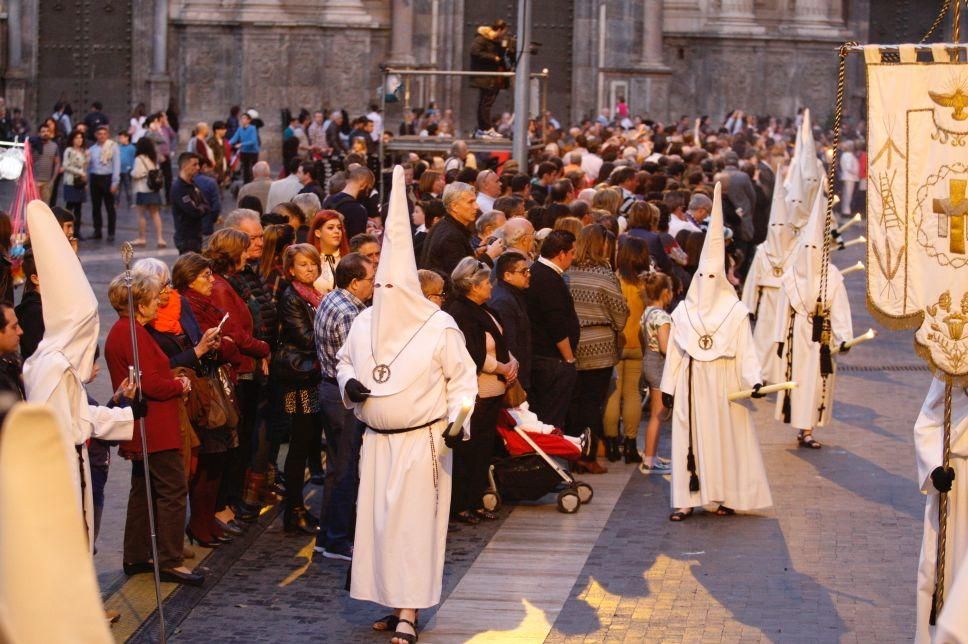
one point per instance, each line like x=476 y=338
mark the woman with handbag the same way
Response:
x=194 y=353
x=496 y=370
x=148 y=181
x=227 y=250
x=76 y=161
x=295 y=366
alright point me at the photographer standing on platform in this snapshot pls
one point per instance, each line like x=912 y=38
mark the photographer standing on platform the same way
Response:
x=489 y=53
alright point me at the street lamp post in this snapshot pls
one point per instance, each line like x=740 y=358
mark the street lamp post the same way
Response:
x=522 y=85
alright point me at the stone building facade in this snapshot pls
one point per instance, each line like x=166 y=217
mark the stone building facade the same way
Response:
x=666 y=57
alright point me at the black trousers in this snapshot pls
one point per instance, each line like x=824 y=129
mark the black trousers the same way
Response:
x=248 y=159
x=588 y=405
x=240 y=458
x=485 y=102
x=101 y=193
x=300 y=442
x=552 y=382
x=473 y=458
x=169 y=490
x=166 y=173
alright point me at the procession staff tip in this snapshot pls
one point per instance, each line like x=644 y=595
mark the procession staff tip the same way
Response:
x=127 y=255
x=850 y=222
x=859 y=266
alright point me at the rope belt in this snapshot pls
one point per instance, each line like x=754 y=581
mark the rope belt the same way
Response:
x=690 y=455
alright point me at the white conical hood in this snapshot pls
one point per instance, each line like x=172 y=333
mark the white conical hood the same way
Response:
x=706 y=321
x=70 y=307
x=48 y=587
x=399 y=306
x=801 y=282
x=776 y=252
x=804 y=181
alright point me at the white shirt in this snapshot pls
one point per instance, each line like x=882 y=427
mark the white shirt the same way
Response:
x=282 y=191
x=676 y=224
x=548 y=262
x=591 y=164
x=485 y=202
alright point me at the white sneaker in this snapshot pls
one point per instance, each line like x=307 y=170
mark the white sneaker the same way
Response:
x=659 y=467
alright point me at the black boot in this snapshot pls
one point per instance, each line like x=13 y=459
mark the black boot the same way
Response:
x=611 y=449
x=298 y=519
x=631 y=451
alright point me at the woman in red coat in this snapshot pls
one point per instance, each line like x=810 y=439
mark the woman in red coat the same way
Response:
x=227 y=250
x=162 y=431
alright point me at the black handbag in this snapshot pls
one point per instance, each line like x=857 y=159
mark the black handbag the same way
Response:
x=295 y=367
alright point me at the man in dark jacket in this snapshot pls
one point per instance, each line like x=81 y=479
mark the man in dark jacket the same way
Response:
x=554 y=330
x=359 y=182
x=487 y=54
x=512 y=278
x=449 y=240
x=188 y=205
x=11 y=368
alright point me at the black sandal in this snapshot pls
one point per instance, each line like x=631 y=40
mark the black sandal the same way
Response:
x=389 y=622
x=808 y=441
x=679 y=515
x=487 y=515
x=723 y=511
x=406 y=637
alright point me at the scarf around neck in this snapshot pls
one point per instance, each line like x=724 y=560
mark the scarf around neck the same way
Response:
x=310 y=295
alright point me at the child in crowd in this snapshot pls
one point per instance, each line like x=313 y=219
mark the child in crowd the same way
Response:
x=656 y=326
x=127 y=151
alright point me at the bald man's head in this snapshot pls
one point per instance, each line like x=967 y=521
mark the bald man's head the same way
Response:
x=519 y=235
x=261 y=170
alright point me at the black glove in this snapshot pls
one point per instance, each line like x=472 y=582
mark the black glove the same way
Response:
x=355 y=390
x=452 y=441
x=668 y=400
x=756 y=391
x=844 y=348
x=942 y=478
x=139 y=406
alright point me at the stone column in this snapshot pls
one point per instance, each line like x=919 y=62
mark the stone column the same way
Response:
x=15 y=77
x=737 y=16
x=811 y=16
x=401 y=33
x=652 y=32
x=159 y=82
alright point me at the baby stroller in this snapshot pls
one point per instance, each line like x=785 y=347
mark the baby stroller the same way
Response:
x=529 y=472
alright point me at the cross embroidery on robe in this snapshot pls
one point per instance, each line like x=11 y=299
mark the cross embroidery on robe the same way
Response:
x=951 y=215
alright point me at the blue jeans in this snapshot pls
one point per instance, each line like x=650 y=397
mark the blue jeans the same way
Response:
x=340 y=512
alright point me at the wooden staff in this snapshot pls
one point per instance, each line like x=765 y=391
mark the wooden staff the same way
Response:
x=937 y=599
x=870 y=335
x=766 y=389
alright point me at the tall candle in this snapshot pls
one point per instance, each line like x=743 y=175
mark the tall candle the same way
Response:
x=458 y=425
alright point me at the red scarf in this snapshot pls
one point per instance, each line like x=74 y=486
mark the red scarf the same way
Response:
x=308 y=293
x=169 y=316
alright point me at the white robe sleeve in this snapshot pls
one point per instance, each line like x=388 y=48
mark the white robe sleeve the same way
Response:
x=929 y=433
x=112 y=423
x=782 y=319
x=673 y=362
x=345 y=370
x=460 y=374
x=751 y=291
x=750 y=371
x=840 y=319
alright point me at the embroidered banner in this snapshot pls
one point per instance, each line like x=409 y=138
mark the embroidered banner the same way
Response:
x=917 y=206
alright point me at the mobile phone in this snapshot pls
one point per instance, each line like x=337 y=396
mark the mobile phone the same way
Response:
x=220 y=324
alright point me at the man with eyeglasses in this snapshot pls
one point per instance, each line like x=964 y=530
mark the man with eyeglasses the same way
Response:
x=513 y=277
x=334 y=317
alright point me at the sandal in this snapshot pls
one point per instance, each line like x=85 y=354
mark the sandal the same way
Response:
x=807 y=440
x=486 y=514
x=467 y=517
x=723 y=511
x=405 y=637
x=679 y=515
x=389 y=622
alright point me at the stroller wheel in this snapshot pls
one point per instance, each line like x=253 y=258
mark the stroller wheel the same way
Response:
x=491 y=501
x=568 y=501
x=584 y=491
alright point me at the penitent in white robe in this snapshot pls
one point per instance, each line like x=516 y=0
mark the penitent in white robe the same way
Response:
x=405 y=479
x=809 y=396
x=728 y=458
x=928 y=447
x=761 y=295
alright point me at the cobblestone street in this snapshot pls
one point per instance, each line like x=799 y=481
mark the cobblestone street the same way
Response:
x=833 y=561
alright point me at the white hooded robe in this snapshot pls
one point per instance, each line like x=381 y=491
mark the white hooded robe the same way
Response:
x=727 y=453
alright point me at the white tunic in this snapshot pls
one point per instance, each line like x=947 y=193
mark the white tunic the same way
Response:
x=728 y=458
x=928 y=447
x=762 y=296
x=809 y=396
x=58 y=386
x=405 y=479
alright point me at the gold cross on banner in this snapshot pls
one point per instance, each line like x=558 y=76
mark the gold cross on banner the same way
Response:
x=954 y=209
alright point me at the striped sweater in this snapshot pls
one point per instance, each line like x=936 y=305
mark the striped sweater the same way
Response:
x=602 y=313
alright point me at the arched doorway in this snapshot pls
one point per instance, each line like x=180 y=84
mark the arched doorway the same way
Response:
x=84 y=55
